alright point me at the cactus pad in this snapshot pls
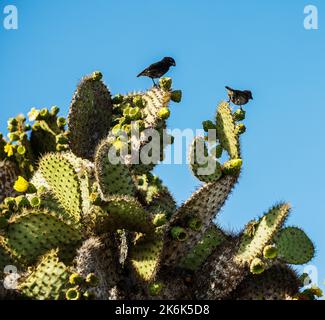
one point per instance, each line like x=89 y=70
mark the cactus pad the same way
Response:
x=145 y=254
x=294 y=246
x=31 y=234
x=212 y=238
x=90 y=116
x=48 y=280
x=113 y=179
x=226 y=130
x=63 y=180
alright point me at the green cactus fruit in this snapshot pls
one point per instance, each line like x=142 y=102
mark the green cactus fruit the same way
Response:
x=195 y=224
x=72 y=294
x=31 y=234
x=61 y=122
x=134 y=113
x=226 y=130
x=10 y=202
x=232 y=167
x=35 y=201
x=54 y=111
x=257 y=266
x=145 y=254
x=113 y=179
x=155 y=288
x=240 y=128
x=159 y=219
x=22 y=202
x=97 y=76
x=21 y=150
x=117 y=99
x=179 y=233
x=76 y=279
x=13 y=136
x=211 y=239
x=92 y=280
x=294 y=246
x=63 y=180
x=138 y=102
x=176 y=96
x=270 y=252
x=165 y=83
x=239 y=115
x=90 y=116
x=47 y=281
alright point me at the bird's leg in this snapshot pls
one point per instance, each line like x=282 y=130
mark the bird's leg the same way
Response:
x=154 y=83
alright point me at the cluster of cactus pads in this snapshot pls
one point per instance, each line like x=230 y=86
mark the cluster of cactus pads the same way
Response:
x=78 y=226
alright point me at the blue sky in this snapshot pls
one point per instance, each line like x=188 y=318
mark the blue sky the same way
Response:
x=251 y=44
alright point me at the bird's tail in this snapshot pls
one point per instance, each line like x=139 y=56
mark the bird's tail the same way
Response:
x=228 y=88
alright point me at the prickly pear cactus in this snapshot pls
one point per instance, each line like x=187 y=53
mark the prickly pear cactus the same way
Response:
x=83 y=217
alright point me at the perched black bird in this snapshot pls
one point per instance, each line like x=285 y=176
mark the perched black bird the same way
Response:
x=238 y=97
x=158 y=69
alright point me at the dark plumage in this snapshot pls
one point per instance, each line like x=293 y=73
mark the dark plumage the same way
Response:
x=238 y=97
x=158 y=69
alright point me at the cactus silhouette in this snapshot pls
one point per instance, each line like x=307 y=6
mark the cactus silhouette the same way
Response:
x=79 y=225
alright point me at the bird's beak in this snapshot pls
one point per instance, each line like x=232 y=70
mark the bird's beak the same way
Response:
x=174 y=64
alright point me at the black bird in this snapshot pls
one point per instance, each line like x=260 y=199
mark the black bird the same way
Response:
x=238 y=97
x=158 y=69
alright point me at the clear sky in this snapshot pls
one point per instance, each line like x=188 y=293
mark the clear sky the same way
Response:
x=252 y=44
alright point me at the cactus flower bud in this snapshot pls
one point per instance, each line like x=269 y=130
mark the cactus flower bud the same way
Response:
x=159 y=219
x=21 y=150
x=13 y=136
x=61 y=122
x=155 y=288
x=270 y=252
x=195 y=224
x=164 y=113
x=176 y=96
x=179 y=233
x=165 y=83
x=92 y=280
x=257 y=266
x=54 y=110
x=33 y=114
x=21 y=185
x=97 y=76
x=240 y=128
x=232 y=167
x=75 y=279
x=117 y=99
x=239 y=115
